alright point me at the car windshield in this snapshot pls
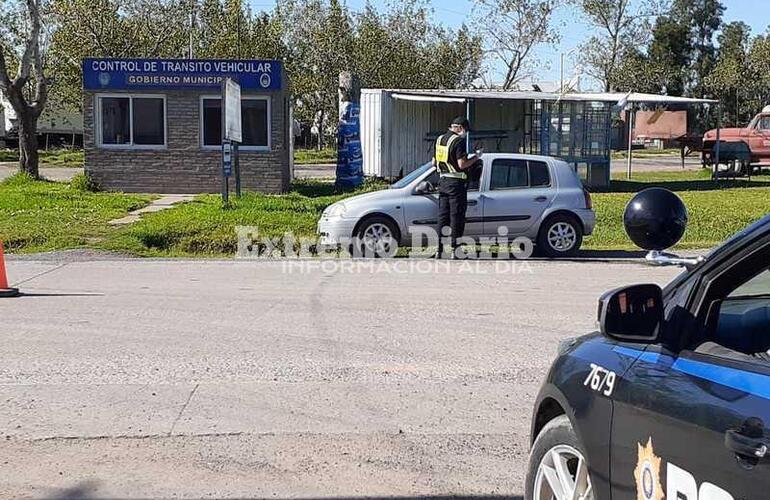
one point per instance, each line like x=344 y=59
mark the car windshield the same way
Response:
x=410 y=177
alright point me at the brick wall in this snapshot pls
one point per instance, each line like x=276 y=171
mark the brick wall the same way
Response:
x=183 y=166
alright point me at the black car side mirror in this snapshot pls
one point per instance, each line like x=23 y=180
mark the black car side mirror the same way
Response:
x=632 y=313
x=423 y=187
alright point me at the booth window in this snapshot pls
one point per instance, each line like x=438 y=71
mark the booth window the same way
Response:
x=255 y=122
x=132 y=121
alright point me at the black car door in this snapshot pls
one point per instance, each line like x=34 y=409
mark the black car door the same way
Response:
x=692 y=423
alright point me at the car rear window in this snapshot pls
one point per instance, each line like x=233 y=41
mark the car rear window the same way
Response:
x=508 y=174
x=538 y=174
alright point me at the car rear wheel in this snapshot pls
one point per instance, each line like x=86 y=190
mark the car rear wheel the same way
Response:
x=560 y=236
x=558 y=469
x=377 y=237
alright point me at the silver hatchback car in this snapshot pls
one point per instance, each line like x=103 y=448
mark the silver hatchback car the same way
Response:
x=537 y=197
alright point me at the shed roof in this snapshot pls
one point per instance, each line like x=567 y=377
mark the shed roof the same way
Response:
x=427 y=95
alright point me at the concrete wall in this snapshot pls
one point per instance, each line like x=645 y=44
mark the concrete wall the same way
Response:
x=184 y=166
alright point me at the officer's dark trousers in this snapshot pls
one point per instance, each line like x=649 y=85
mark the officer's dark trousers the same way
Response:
x=452 y=202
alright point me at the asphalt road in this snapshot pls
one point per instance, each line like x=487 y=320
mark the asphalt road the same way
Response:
x=191 y=379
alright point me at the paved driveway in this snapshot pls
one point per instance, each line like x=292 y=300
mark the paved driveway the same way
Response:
x=149 y=379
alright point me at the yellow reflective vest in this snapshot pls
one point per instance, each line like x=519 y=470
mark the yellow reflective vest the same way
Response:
x=443 y=165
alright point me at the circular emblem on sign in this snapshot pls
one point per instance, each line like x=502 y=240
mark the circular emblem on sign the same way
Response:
x=265 y=80
x=104 y=79
x=647 y=474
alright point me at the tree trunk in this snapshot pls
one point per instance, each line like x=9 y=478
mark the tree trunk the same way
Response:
x=28 y=157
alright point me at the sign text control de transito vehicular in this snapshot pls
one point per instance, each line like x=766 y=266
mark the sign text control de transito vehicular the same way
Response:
x=671 y=399
x=537 y=197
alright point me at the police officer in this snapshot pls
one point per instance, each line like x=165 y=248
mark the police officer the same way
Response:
x=454 y=168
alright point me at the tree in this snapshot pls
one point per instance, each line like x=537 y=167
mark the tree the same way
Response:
x=670 y=52
x=732 y=76
x=111 y=28
x=27 y=91
x=399 y=47
x=514 y=28
x=638 y=72
x=620 y=28
x=705 y=19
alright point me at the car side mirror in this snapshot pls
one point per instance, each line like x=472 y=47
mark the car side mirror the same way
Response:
x=632 y=313
x=423 y=187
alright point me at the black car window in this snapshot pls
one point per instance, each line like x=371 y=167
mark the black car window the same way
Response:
x=432 y=179
x=538 y=174
x=741 y=322
x=509 y=174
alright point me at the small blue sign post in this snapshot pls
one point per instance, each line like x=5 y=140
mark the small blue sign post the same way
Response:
x=350 y=158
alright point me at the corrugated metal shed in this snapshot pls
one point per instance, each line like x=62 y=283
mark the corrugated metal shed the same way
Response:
x=399 y=126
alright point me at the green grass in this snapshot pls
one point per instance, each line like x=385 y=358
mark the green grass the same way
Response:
x=313 y=156
x=38 y=216
x=203 y=228
x=51 y=158
x=716 y=209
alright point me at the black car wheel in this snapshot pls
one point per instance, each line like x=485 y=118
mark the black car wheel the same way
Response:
x=557 y=466
x=560 y=236
x=377 y=237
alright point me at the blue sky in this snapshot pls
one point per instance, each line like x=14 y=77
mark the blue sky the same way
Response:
x=574 y=30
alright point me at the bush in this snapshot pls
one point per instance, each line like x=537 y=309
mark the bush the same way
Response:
x=83 y=183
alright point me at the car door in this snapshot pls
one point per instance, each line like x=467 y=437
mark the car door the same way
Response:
x=421 y=210
x=760 y=138
x=693 y=424
x=517 y=193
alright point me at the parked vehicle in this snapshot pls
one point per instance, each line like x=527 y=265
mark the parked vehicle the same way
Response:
x=533 y=196
x=752 y=142
x=671 y=398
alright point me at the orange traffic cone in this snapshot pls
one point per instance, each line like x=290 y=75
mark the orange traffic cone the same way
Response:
x=5 y=291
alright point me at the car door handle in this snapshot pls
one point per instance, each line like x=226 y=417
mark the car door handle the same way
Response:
x=745 y=446
x=541 y=199
x=473 y=202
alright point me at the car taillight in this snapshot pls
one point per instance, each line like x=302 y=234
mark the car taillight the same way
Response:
x=587 y=196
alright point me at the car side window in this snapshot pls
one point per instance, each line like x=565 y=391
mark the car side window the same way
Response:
x=742 y=329
x=509 y=174
x=758 y=285
x=764 y=123
x=432 y=179
x=538 y=174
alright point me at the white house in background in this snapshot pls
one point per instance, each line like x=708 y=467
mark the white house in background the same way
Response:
x=57 y=126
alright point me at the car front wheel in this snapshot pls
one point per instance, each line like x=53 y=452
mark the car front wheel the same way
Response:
x=560 y=236
x=377 y=237
x=557 y=466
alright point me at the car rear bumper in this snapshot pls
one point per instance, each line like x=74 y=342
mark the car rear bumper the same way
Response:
x=588 y=218
x=335 y=230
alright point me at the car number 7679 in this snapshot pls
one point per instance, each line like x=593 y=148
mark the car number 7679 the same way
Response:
x=601 y=380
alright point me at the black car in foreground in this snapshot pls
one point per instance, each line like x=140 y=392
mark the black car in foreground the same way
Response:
x=671 y=398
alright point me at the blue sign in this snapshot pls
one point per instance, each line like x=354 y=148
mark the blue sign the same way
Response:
x=350 y=158
x=227 y=160
x=128 y=74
